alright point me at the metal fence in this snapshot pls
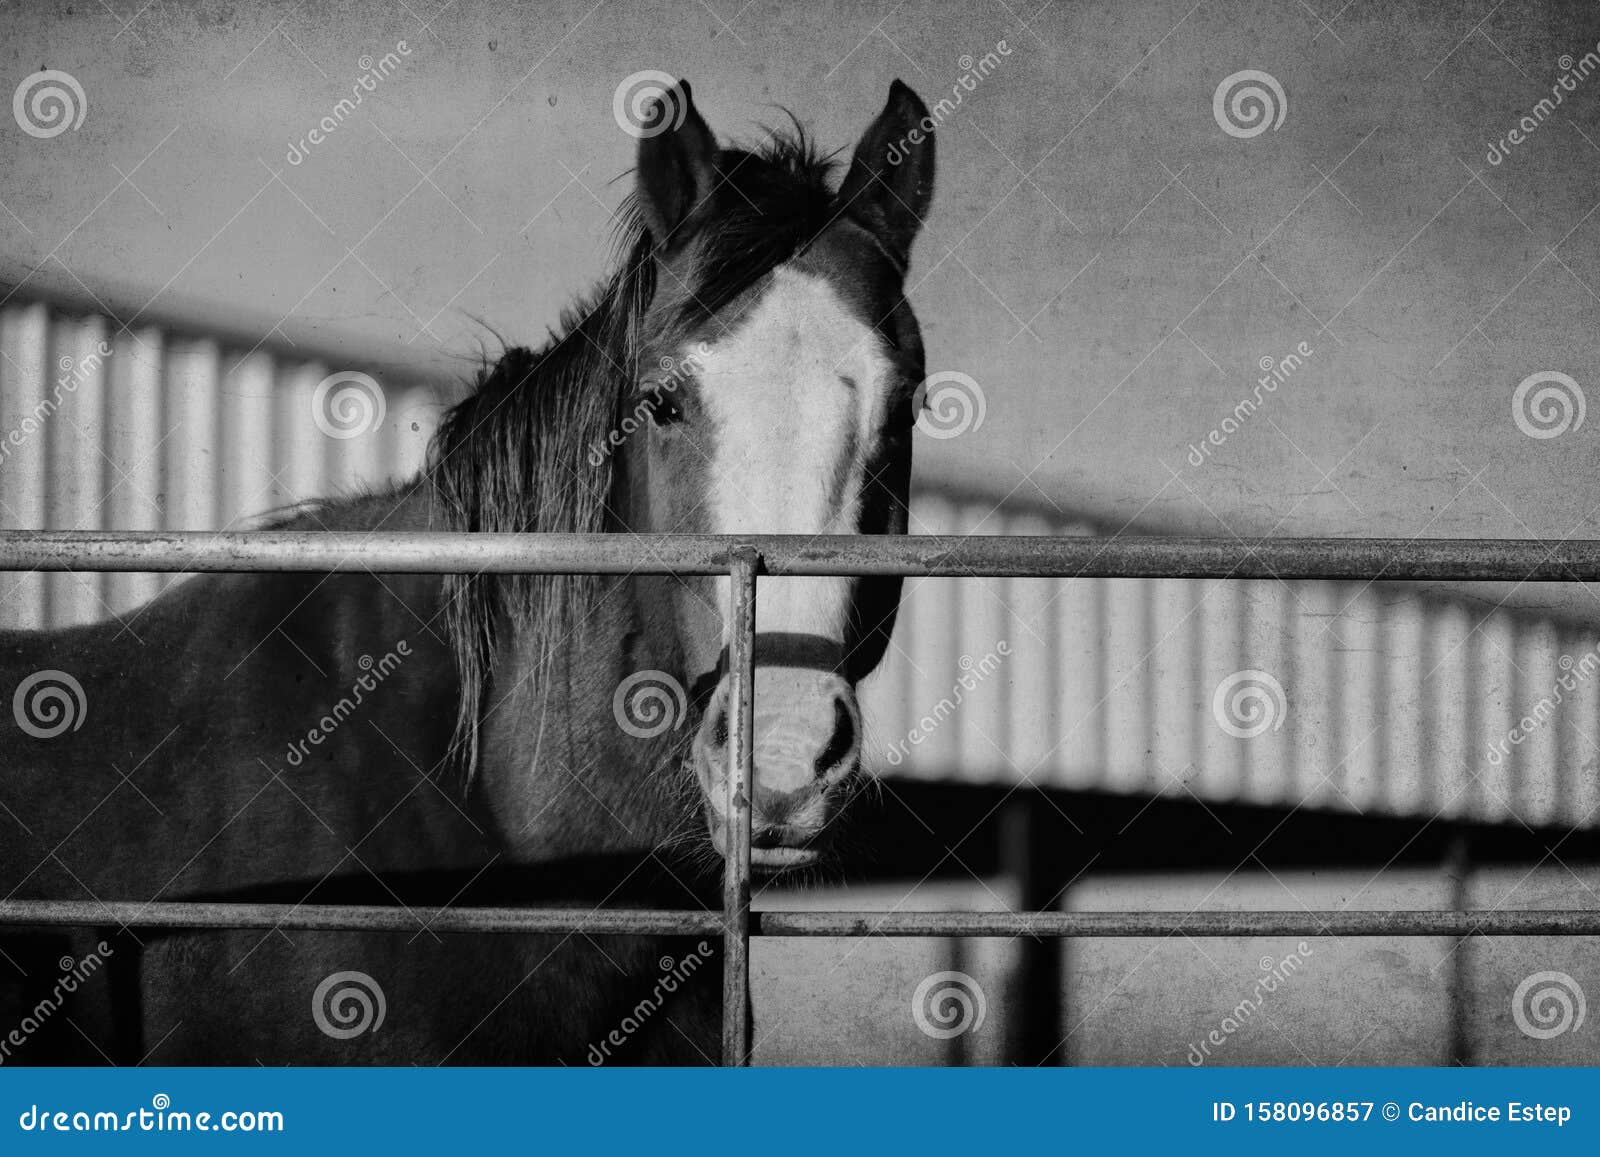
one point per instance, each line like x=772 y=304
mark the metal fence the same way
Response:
x=744 y=560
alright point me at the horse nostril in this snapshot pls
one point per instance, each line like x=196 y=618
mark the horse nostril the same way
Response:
x=843 y=741
x=721 y=731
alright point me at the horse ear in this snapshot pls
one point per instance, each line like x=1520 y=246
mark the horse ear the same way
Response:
x=677 y=163
x=890 y=183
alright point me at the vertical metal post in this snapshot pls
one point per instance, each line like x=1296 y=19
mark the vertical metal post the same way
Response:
x=741 y=778
x=1034 y=856
x=1458 y=871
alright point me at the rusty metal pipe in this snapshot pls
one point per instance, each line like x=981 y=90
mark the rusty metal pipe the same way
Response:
x=1517 y=560
x=659 y=922
x=358 y=917
x=1572 y=922
x=741 y=784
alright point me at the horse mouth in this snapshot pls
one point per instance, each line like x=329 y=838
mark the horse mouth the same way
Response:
x=776 y=849
x=782 y=859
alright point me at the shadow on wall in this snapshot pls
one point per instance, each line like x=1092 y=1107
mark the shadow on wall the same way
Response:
x=1465 y=701
x=1184 y=1001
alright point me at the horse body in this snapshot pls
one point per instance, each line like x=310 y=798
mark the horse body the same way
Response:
x=210 y=787
x=188 y=739
x=458 y=740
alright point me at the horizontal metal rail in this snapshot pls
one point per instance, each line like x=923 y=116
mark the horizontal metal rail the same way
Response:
x=662 y=922
x=360 y=917
x=1568 y=922
x=1518 y=560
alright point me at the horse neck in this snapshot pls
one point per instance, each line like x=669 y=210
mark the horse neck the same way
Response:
x=562 y=775
x=408 y=507
x=559 y=775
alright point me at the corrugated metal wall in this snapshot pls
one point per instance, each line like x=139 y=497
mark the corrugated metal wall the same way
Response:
x=170 y=432
x=1375 y=698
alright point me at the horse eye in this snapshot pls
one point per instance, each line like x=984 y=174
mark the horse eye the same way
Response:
x=664 y=410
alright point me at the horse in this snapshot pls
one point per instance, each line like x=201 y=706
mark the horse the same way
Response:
x=749 y=364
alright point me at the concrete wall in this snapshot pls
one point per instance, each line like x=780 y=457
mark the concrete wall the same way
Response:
x=1321 y=1000
x=1104 y=259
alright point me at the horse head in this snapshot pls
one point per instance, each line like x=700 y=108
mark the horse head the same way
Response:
x=781 y=361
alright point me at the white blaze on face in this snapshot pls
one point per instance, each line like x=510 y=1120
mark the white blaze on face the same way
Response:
x=798 y=394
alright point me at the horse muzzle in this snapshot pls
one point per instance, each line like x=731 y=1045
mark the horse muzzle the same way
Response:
x=807 y=743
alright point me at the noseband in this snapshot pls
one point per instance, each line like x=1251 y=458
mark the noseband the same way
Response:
x=775 y=649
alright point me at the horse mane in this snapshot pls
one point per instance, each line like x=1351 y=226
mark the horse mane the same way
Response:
x=512 y=456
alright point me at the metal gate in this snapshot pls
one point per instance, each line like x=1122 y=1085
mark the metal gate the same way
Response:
x=744 y=560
